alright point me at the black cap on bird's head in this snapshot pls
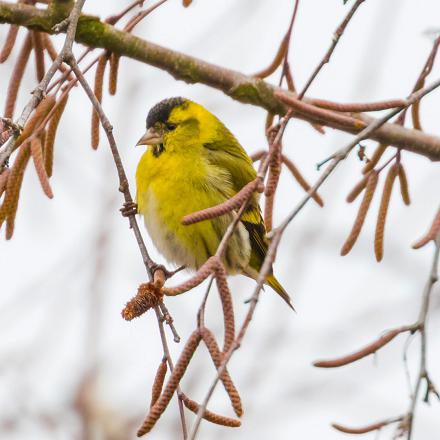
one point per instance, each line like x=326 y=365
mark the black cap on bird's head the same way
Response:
x=159 y=114
x=161 y=111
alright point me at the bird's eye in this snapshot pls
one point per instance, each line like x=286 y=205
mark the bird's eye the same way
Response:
x=171 y=126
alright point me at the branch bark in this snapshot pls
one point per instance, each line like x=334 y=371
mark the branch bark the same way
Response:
x=96 y=34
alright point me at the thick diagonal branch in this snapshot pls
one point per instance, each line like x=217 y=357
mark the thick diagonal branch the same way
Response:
x=95 y=33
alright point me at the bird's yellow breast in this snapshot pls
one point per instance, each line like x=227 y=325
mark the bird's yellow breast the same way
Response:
x=173 y=185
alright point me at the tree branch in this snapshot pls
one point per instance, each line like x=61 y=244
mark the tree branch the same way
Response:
x=247 y=89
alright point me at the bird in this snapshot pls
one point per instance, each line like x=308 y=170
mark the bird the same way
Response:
x=192 y=162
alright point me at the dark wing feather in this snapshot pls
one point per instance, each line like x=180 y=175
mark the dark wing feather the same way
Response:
x=254 y=224
x=230 y=155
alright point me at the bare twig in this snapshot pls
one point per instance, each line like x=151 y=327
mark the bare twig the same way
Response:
x=336 y=37
x=277 y=233
x=422 y=322
x=141 y=15
x=124 y=188
x=237 y=85
x=39 y=92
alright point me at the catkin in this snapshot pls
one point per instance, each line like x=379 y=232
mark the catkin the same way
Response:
x=209 y=415
x=269 y=121
x=113 y=75
x=404 y=191
x=301 y=181
x=42 y=137
x=158 y=381
x=259 y=155
x=49 y=141
x=432 y=234
x=37 y=156
x=383 y=210
x=357 y=189
x=9 y=43
x=269 y=202
x=378 y=152
x=371 y=348
x=362 y=430
x=415 y=108
x=53 y=54
x=39 y=114
x=274 y=175
x=279 y=56
x=5 y=135
x=179 y=370
x=17 y=76
x=9 y=206
x=204 y=271
x=50 y=48
x=4 y=180
x=291 y=86
x=231 y=204
x=99 y=82
x=38 y=46
x=415 y=115
x=362 y=213
x=147 y=296
x=227 y=306
x=217 y=358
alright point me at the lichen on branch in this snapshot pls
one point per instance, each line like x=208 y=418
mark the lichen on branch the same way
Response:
x=95 y=33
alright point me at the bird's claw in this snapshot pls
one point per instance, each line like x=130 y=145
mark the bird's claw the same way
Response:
x=128 y=209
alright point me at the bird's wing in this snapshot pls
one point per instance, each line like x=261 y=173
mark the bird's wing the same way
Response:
x=230 y=155
x=254 y=224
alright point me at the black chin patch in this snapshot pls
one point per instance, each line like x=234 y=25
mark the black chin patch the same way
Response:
x=158 y=149
x=161 y=111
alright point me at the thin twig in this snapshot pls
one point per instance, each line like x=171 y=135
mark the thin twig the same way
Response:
x=39 y=92
x=422 y=322
x=235 y=84
x=336 y=37
x=277 y=233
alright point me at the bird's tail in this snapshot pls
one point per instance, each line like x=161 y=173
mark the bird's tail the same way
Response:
x=273 y=282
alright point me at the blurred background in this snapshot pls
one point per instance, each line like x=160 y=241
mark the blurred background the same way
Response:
x=71 y=367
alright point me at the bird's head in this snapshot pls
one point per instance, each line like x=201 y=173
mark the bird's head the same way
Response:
x=178 y=123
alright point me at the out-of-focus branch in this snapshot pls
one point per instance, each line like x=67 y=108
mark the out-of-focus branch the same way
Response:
x=66 y=55
x=341 y=154
x=95 y=33
x=124 y=188
x=405 y=425
x=423 y=375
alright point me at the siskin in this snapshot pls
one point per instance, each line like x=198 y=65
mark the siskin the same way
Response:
x=194 y=162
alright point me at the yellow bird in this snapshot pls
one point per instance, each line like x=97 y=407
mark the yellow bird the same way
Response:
x=194 y=162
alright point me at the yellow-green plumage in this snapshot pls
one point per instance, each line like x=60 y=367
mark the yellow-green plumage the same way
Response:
x=194 y=162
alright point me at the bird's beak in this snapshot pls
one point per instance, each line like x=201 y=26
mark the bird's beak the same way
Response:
x=151 y=137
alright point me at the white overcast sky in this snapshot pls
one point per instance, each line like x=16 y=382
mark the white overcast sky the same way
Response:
x=58 y=316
